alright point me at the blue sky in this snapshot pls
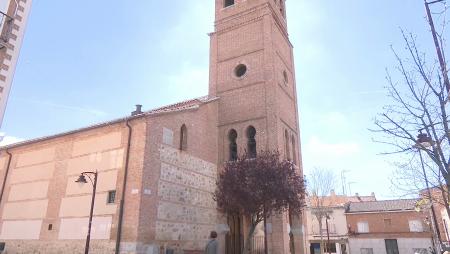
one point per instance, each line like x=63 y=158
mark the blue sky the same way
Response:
x=84 y=62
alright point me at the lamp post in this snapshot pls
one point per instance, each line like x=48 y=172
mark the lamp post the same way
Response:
x=82 y=180
x=437 y=45
x=433 y=243
x=327 y=217
x=423 y=140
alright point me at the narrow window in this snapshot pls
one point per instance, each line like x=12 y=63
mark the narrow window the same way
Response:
x=111 y=197
x=294 y=151
x=285 y=78
x=363 y=227
x=286 y=143
x=232 y=137
x=228 y=3
x=420 y=251
x=415 y=226
x=366 y=250
x=251 y=142
x=50 y=227
x=330 y=248
x=183 y=138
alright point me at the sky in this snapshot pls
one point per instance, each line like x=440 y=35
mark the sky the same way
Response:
x=84 y=62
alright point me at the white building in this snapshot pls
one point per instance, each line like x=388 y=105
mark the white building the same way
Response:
x=337 y=231
x=337 y=224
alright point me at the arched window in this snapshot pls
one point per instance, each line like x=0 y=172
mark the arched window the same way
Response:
x=286 y=144
x=228 y=3
x=232 y=137
x=183 y=138
x=294 y=151
x=251 y=142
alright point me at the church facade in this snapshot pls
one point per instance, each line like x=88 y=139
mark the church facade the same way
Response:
x=157 y=169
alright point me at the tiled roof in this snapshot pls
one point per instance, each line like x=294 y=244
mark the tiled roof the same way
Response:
x=180 y=106
x=341 y=200
x=382 y=206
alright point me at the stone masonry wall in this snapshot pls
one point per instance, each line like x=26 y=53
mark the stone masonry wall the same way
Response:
x=186 y=210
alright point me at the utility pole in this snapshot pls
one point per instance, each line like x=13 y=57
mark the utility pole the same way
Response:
x=437 y=44
x=433 y=224
x=344 y=182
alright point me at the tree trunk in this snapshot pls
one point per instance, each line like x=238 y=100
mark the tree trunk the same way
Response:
x=266 y=249
x=321 y=237
x=247 y=243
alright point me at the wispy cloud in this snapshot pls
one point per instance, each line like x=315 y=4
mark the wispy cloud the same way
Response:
x=88 y=110
x=189 y=40
x=320 y=149
x=335 y=118
x=191 y=81
x=368 y=92
x=8 y=140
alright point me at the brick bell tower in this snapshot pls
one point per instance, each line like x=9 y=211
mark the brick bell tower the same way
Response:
x=252 y=71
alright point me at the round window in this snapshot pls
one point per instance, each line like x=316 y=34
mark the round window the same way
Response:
x=240 y=70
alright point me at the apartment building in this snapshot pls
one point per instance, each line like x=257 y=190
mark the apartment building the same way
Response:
x=13 y=19
x=335 y=226
x=388 y=227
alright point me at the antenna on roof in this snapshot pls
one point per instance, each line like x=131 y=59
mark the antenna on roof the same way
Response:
x=344 y=182
x=350 y=187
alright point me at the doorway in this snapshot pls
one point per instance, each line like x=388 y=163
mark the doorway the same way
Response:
x=391 y=246
x=234 y=240
x=315 y=248
x=343 y=248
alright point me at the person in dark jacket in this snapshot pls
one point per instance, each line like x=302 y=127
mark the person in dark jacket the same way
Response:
x=213 y=245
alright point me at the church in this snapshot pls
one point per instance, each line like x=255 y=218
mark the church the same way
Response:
x=156 y=171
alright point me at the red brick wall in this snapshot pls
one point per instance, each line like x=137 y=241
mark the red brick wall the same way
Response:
x=379 y=229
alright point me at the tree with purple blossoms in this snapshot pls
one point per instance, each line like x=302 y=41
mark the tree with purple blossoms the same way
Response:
x=259 y=188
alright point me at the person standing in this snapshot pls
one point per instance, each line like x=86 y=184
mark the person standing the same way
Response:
x=213 y=245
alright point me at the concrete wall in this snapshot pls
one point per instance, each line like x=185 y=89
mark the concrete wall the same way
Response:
x=337 y=228
x=337 y=223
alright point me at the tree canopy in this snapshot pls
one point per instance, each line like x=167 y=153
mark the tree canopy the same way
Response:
x=250 y=186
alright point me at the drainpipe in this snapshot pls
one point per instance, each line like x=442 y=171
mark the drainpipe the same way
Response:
x=6 y=175
x=124 y=186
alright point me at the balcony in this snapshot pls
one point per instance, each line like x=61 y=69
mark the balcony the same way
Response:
x=6 y=26
x=331 y=230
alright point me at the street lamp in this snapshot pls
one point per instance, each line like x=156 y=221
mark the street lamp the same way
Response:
x=327 y=217
x=429 y=224
x=424 y=140
x=82 y=180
